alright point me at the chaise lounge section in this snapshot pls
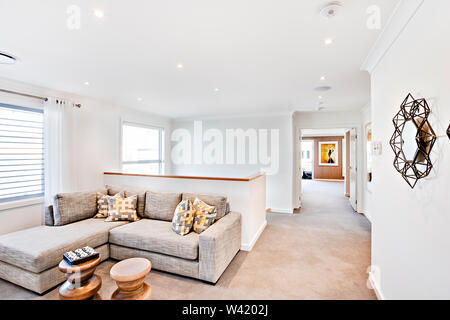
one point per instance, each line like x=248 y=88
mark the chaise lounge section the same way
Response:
x=30 y=258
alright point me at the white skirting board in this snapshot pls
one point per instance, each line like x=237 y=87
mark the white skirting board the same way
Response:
x=284 y=211
x=375 y=287
x=249 y=247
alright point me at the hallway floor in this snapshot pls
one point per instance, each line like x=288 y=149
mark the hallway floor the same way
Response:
x=321 y=253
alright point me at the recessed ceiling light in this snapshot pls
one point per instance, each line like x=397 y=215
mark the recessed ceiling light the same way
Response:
x=99 y=13
x=7 y=58
x=139 y=99
x=86 y=83
x=216 y=89
x=322 y=78
x=180 y=66
x=320 y=97
x=328 y=41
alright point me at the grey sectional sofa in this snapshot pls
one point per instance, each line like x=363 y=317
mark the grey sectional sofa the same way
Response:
x=30 y=258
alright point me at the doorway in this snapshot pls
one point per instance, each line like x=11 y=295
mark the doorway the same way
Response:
x=329 y=156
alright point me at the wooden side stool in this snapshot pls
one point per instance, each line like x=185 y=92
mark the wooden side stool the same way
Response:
x=82 y=283
x=130 y=276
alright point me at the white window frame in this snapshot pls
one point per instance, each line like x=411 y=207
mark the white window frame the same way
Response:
x=161 y=132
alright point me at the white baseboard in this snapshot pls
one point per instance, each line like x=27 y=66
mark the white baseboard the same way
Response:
x=375 y=287
x=249 y=246
x=368 y=216
x=285 y=211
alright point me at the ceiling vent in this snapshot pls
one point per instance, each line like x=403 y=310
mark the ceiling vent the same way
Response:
x=7 y=59
x=322 y=88
x=331 y=9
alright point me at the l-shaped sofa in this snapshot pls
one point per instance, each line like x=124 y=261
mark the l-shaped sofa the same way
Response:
x=30 y=258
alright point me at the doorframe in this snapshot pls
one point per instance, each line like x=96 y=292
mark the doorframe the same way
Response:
x=359 y=156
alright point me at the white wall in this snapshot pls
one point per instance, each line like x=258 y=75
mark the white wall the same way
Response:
x=245 y=197
x=329 y=120
x=411 y=237
x=279 y=190
x=96 y=143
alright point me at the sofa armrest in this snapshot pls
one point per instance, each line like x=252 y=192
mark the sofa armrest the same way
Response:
x=49 y=216
x=218 y=245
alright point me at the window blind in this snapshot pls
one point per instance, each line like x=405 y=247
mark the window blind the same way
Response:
x=21 y=152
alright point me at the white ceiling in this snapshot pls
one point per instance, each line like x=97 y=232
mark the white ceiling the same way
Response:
x=263 y=55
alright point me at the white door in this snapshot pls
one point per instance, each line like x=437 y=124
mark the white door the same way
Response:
x=353 y=169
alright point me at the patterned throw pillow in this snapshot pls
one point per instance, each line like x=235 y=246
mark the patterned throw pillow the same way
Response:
x=122 y=209
x=204 y=215
x=102 y=204
x=183 y=218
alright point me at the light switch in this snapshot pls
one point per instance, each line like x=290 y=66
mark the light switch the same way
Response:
x=377 y=148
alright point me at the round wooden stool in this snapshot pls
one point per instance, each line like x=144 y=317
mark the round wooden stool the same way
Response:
x=130 y=276
x=82 y=283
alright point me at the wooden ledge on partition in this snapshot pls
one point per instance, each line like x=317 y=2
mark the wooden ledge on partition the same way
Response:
x=251 y=178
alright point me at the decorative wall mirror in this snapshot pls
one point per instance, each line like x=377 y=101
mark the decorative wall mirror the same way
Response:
x=413 y=140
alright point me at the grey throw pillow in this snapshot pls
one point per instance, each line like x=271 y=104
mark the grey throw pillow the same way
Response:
x=161 y=205
x=76 y=206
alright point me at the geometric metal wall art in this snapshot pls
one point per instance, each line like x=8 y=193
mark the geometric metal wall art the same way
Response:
x=413 y=140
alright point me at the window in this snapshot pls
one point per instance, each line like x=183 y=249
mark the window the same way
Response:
x=307 y=162
x=142 y=149
x=21 y=153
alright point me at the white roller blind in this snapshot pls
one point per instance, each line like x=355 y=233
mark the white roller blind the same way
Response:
x=21 y=152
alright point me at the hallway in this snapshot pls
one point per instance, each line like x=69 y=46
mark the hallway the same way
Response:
x=331 y=244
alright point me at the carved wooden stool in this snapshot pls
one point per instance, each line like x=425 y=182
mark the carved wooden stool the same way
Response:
x=82 y=283
x=130 y=276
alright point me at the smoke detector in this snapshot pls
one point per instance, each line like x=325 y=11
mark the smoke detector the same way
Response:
x=331 y=9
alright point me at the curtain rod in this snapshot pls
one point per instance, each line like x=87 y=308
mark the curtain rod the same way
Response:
x=32 y=96
x=24 y=94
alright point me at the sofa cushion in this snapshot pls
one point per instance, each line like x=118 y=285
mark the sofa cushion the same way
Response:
x=161 y=205
x=183 y=218
x=122 y=209
x=76 y=206
x=40 y=248
x=218 y=201
x=204 y=215
x=156 y=236
x=102 y=204
x=128 y=192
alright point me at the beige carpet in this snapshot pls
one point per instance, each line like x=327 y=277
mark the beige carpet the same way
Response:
x=321 y=253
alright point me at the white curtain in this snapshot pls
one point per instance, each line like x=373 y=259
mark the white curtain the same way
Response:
x=58 y=147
